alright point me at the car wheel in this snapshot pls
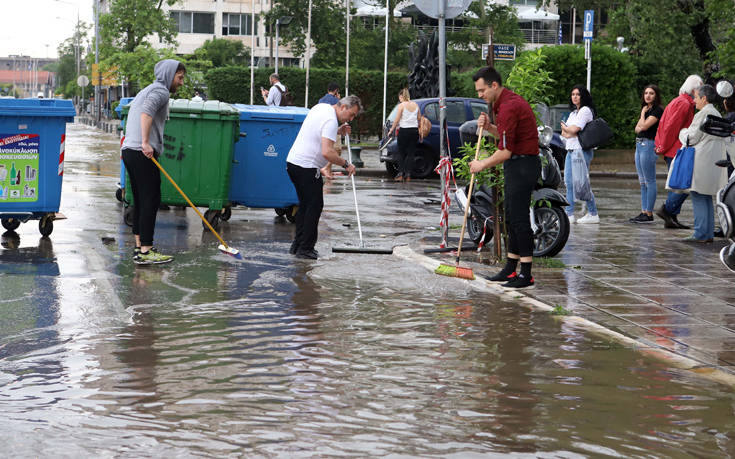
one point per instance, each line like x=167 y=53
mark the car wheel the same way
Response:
x=424 y=163
x=552 y=233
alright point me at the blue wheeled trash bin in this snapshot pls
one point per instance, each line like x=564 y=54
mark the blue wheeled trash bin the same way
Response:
x=259 y=177
x=32 y=139
x=120 y=192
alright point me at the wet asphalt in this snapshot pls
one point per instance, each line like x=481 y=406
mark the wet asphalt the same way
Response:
x=638 y=280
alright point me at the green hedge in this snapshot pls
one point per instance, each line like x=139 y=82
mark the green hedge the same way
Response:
x=613 y=85
x=232 y=84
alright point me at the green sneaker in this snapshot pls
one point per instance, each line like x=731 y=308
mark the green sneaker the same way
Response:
x=152 y=257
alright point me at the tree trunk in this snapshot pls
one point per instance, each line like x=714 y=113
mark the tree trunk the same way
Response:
x=701 y=34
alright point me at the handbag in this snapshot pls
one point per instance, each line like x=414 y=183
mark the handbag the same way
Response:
x=595 y=134
x=682 y=168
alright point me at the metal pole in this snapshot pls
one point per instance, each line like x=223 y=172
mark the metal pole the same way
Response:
x=97 y=60
x=443 y=94
x=588 y=56
x=308 y=55
x=385 y=60
x=278 y=22
x=347 y=49
x=252 y=49
x=574 y=25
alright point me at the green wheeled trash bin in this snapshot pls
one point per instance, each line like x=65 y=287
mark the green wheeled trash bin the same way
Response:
x=199 y=141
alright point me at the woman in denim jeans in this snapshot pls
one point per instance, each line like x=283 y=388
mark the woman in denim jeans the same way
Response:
x=583 y=111
x=645 y=155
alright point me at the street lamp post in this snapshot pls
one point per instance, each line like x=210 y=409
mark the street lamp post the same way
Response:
x=285 y=20
x=97 y=60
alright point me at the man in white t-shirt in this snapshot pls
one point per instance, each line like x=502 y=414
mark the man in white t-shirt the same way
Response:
x=273 y=95
x=312 y=150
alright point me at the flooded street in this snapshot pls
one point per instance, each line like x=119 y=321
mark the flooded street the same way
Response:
x=351 y=355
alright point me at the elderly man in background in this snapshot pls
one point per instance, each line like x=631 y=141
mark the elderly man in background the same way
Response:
x=677 y=115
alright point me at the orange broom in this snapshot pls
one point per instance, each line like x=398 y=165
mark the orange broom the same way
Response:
x=456 y=270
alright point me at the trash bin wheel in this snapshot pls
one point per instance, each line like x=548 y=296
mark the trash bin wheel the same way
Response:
x=46 y=224
x=11 y=224
x=281 y=211
x=291 y=213
x=128 y=215
x=226 y=213
x=213 y=217
x=120 y=194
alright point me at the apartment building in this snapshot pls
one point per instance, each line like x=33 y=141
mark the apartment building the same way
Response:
x=201 y=20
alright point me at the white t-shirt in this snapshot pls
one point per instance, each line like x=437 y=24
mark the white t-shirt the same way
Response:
x=306 y=150
x=577 y=118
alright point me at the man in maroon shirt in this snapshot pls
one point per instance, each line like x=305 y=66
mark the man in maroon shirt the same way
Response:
x=517 y=149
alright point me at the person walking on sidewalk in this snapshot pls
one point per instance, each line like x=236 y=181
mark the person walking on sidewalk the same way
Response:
x=677 y=115
x=707 y=178
x=274 y=95
x=311 y=151
x=144 y=140
x=583 y=111
x=517 y=142
x=407 y=123
x=645 y=156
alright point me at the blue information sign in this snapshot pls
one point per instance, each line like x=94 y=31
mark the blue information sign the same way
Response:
x=589 y=21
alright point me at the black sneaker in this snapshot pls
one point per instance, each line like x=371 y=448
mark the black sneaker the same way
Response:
x=520 y=281
x=307 y=254
x=294 y=248
x=502 y=277
x=642 y=218
x=678 y=224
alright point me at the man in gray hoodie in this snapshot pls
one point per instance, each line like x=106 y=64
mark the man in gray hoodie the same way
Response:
x=144 y=140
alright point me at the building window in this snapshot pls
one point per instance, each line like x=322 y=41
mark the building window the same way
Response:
x=238 y=24
x=190 y=22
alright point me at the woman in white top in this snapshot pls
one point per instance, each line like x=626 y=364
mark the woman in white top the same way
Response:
x=407 y=119
x=583 y=111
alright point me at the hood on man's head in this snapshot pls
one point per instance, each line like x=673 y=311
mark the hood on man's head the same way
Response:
x=165 y=71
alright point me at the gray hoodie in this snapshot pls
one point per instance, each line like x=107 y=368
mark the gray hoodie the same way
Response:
x=153 y=101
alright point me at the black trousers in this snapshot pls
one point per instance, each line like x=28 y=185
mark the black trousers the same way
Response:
x=407 y=139
x=145 y=181
x=521 y=174
x=309 y=188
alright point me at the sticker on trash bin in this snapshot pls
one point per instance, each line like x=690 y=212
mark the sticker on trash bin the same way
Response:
x=271 y=151
x=19 y=167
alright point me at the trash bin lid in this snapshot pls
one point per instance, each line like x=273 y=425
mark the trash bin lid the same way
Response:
x=265 y=112
x=37 y=107
x=123 y=102
x=209 y=108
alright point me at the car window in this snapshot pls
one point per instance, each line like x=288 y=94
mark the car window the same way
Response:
x=431 y=111
x=455 y=112
x=477 y=108
x=393 y=113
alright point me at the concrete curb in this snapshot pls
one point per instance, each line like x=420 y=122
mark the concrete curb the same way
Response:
x=671 y=358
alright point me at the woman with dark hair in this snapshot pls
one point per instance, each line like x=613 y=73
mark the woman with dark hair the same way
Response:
x=583 y=111
x=645 y=154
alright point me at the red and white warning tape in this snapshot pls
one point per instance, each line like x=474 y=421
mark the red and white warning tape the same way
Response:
x=61 y=154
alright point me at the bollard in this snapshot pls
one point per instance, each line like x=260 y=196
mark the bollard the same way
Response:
x=356 y=160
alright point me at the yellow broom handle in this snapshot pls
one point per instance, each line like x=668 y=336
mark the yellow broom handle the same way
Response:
x=189 y=201
x=469 y=196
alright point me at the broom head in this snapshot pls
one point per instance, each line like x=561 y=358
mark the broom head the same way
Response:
x=231 y=251
x=455 y=271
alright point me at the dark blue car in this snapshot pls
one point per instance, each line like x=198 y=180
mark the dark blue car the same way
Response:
x=459 y=110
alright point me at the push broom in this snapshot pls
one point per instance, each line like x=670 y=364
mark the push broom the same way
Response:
x=223 y=247
x=362 y=248
x=456 y=270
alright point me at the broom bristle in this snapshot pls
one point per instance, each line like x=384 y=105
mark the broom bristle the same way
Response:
x=231 y=251
x=455 y=271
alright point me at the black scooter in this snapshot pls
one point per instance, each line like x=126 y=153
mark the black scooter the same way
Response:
x=549 y=221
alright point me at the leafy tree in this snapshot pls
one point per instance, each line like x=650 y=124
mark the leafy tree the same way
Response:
x=482 y=19
x=66 y=67
x=124 y=32
x=221 y=52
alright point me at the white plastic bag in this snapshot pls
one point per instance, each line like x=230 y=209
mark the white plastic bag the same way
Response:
x=580 y=177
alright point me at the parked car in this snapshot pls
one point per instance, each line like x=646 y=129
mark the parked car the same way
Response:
x=459 y=110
